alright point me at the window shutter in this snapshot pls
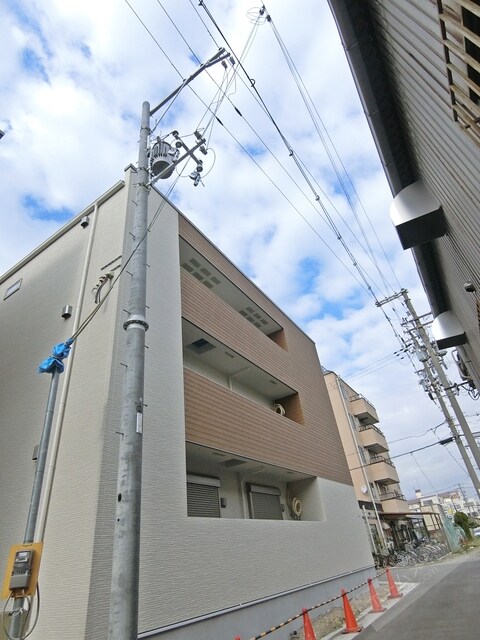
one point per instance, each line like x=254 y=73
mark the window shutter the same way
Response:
x=202 y=497
x=265 y=503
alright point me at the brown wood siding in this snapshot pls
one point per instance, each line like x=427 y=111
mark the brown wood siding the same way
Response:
x=315 y=445
x=219 y=418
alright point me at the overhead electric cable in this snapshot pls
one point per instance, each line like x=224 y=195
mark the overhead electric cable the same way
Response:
x=366 y=284
x=253 y=159
x=296 y=160
x=314 y=115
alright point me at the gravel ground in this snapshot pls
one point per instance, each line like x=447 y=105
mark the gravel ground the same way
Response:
x=334 y=619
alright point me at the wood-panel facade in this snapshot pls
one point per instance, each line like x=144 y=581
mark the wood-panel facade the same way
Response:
x=219 y=418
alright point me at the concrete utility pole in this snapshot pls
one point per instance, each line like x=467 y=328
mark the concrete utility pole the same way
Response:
x=123 y=620
x=447 y=387
x=432 y=366
x=451 y=423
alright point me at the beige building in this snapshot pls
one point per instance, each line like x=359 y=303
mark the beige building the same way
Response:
x=374 y=475
x=248 y=509
x=416 y=64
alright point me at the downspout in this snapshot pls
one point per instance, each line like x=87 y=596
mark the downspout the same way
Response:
x=367 y=482
x=57 y=430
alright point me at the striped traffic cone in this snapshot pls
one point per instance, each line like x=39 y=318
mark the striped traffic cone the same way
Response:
x=351 y=625
x=308 y=631
x=376 y=606
x=394 y=592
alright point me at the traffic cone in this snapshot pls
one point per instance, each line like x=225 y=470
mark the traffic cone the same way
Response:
x=351 y=625
x=308 y=631
x=394 y=592
x=376 y=606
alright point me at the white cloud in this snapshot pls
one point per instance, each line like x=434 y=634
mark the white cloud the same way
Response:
x=72 y=80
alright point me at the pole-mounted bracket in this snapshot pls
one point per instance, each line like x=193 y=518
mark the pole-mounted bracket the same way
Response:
x=140 y=320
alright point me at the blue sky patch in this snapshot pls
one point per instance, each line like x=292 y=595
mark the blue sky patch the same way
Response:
x=308 y=269
x=255 y=151
x=32 y=63
x=37 y=209
x=85 y=49
x=25 y=19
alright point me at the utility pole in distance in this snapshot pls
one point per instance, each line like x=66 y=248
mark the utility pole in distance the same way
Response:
x=433 y=367
x=123 y=618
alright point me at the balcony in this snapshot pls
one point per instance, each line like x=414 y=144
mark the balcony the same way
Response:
x=394 y=502
x=362 y=409
x=381 y=469
x=372 y=438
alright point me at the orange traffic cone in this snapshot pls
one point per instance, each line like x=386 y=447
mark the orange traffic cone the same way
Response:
x=308 y=631
x=351 y=625
x=394 y=592
x=376 y=606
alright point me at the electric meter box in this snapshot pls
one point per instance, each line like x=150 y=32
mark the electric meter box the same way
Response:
x=23 y=565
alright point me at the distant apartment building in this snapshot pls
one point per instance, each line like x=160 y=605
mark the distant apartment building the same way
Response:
x=248 y=509
x=416 y=65
x=447 y=503
x=374 y=475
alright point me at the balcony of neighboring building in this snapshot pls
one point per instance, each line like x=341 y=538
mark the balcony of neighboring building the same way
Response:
x=362 y=409
x=382 y=470
x=372 y=438
x=394 y=502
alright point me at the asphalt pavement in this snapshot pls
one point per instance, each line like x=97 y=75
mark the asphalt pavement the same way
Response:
x=440 y=602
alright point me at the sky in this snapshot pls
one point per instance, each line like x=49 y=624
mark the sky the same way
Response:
x=282 y=180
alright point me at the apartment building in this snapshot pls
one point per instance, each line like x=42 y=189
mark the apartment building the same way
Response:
x=374 y=475
x=248 y=509
x=416 y=64
x=449 y=501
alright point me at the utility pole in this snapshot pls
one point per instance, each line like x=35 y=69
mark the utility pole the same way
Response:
x=438 y=368
x=451 y=423
x=432 y=366
x=123 y=619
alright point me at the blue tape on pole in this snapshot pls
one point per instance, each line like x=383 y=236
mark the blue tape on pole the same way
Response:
x=54 y=362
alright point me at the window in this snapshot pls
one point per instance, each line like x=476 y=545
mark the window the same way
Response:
x=13 y=289
x=265 y=503
x=202 y=497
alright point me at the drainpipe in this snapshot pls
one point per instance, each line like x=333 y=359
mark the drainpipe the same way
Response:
x=57 y=431
x=353 y=432
x=365 y=517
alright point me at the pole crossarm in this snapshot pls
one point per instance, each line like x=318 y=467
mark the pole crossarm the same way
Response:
x=218 y=57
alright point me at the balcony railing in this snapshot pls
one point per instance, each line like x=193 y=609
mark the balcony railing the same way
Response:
x=364 y=427
x=374 y=459
x=392 y=495
x=372 y=438
x=363 y=409
x=382 y=470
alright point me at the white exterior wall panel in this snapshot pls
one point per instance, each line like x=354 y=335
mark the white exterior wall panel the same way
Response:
x=189 y=566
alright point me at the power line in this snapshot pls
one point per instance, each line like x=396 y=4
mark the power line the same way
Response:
x=314 y=115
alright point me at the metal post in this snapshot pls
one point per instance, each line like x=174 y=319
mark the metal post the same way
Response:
x=444 y=382
x=123 y=622
x=15 y=627
x=123 y=618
